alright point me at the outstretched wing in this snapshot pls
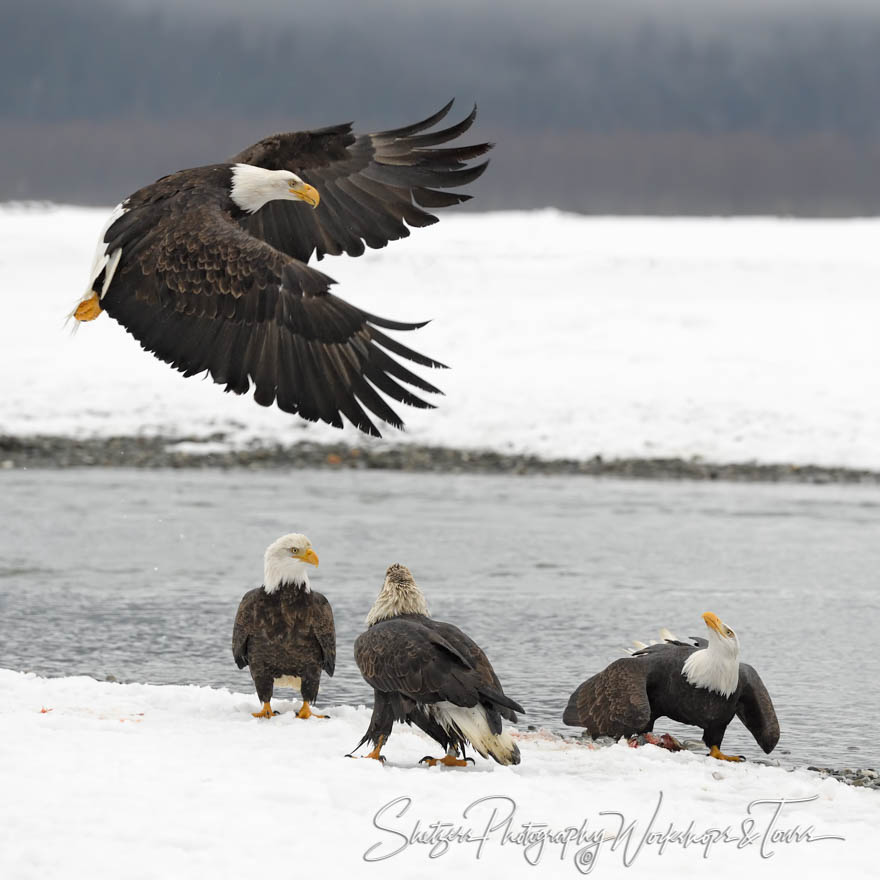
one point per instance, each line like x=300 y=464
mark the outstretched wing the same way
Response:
x=202 y=294
x=614 y=702
x=755 y=709
x=371 y=185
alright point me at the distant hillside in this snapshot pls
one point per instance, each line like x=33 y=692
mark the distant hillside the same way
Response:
x=763 y=114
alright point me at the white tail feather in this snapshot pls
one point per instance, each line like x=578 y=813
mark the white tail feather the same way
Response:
x=102 y=261
x=472 y=724
x=665 y=636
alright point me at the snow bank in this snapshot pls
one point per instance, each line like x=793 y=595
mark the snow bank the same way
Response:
x=567 y=336
x=140 y=781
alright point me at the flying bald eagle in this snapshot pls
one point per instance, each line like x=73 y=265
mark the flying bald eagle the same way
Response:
x=430 y=674
x=206 y=268
x=700 y=683
x=284 y=630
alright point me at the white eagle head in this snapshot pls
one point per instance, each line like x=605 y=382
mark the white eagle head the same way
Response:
x=286 y=562
x=722 y=638
x=399 y=595
x=252 y=187
x=715 y=667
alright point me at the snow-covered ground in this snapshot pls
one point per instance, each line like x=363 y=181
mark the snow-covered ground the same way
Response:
x=140 y=781
x=567 y=336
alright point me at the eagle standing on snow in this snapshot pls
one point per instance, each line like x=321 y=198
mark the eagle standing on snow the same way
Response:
x=206 y=267
x=702 y=683
x=430 y=674
x=284 y=630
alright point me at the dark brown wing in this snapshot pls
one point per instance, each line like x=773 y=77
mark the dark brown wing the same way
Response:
x=402 y=656
x=241 y=630
x=755 y=709
x=465 y=645
x=202 y=294
x=406 y=655
x=320 y=621
x=614 y=702
x=371 y=185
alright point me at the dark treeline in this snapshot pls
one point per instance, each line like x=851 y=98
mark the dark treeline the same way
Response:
x=762 y=114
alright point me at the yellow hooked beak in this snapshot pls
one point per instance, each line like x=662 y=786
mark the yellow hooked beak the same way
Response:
x=714 y=622
x=307 y=194
x=308 y=556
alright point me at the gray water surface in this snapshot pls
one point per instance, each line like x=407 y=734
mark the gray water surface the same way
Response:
x=138 y=574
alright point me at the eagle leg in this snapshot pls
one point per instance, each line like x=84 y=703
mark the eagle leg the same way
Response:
x=266 y=712
x=88 y=309
x=715 y=752
x=306 y=712
x=375 y=753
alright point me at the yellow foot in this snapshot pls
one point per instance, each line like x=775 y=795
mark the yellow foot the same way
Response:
x=447 y=761
x=375 y=753
x=715 y=752
x=88 y=309
x=306 y=712
x=266 y=712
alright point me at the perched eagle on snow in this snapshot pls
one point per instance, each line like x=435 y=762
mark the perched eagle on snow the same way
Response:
x=700 y=683
x=284 y=630
x=207 y=268
x=430 y=674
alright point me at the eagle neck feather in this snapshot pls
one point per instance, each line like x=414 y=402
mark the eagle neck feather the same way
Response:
x=395 y=599
x=714 y=670
x=274 y=580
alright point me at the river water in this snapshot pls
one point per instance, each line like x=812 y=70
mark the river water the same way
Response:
x=138 y=574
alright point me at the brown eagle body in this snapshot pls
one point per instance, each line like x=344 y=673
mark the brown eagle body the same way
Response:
x=630 y=694
x=414 y=663
x=431 y=674
x=206 y=284
x=286 y=633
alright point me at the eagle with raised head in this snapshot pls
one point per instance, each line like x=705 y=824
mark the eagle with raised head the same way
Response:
x=701 y=683
x=207 y=267
x=284 y=630
x=430 y=674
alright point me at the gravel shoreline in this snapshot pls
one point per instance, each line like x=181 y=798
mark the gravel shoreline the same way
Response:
x=54 y=452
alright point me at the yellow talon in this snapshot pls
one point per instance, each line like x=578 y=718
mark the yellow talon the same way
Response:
x=715 y=752
x=447 y=761
x=306 y=712
x=88 y=309
x=375 y=753
x=265 y=712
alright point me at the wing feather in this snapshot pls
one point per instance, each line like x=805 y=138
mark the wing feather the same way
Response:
x=755 y=709
x=429 y=662
x=324 y=630
x=371 y=185
x=205 y=295
x=614 y=702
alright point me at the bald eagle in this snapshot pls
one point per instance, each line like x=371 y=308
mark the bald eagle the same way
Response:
x=700 y=683
x=430 y=674
x=284 y=630
x=207 y=267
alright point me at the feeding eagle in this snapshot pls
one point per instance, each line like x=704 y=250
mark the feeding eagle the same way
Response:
x=700 y=683
x=430 y=674
x=284 y=630
x=207 y=267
